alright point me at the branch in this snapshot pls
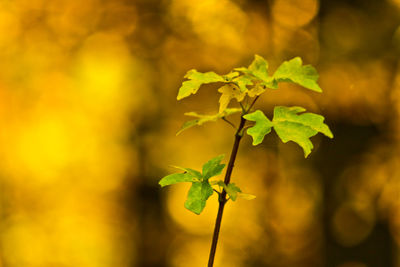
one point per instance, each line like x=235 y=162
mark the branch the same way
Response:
x=230 y=123
x=222 y=196
x=252 y=104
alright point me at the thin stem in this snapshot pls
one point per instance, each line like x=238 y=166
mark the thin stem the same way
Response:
x=252 y=104
x=222 y=197
x=233 y=125
x=243 y=109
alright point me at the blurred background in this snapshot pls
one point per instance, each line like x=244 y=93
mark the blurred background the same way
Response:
x=88 y=116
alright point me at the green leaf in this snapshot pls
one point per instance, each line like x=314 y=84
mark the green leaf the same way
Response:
x=189 y=124
x=243 y=81
x=192 y=172
x=290 y=126
x=293 y=71
x=196 y=79
x=206 y=118
x=176 y=178
x=261 y=128
x=197 y=197
x=256 y=90
x=213 y=167
x=259 y=70
x=232 y=190
x=219 y=183
x=228 y=77
x=246 y=196
x=229 y=92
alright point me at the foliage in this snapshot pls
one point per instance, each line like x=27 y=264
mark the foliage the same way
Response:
x=245 y=85
x=289 y=126
x=206 y=118
x=201 y=188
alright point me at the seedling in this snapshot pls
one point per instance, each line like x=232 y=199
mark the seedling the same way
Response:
x=245 y=85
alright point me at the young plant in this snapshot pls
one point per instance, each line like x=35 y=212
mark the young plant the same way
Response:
x=245 y=85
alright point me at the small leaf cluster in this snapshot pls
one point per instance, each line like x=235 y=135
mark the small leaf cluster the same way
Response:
x=201 y=188
x=248 y=83
x=245 y=85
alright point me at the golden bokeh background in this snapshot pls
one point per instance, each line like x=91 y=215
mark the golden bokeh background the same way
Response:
x=88 y=117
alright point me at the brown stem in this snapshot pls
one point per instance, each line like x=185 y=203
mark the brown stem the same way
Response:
x=252 y=104
x=222 y=197
x=228 y=121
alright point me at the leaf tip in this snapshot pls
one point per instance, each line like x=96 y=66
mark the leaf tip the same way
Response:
x=161 y=183
x=317 y=88
x=190 y=208
x=329 y=134
x=256 y=142
x=246 y=196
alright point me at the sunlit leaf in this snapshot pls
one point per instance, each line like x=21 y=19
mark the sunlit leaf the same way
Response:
x=196 y=79
x=228 y=77
x=213 y=167
x=206 y=118
x=293 y=71
x=243 y=81
x=261 y=128
x=256 y=90
x=229 y=92
x=290 y=126
x=197 y=197
x=176 y=178
x=192 y=172
x=233 y=191
x=259 y=70
x=246 y=196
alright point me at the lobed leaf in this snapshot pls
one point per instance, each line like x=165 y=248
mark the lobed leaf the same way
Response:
x=290 y=126
x=243 y=81
x=206 y=118
x=293 y=71
x=196 y=79
x=176 y=178
x=219 y=183
x=213 y=167
x=233 y=191
x=261 y=128
x=197 y=197
x=256 y=90
x=258 y=70
x=229 y=92
x=229 y=77
x=191 y=172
